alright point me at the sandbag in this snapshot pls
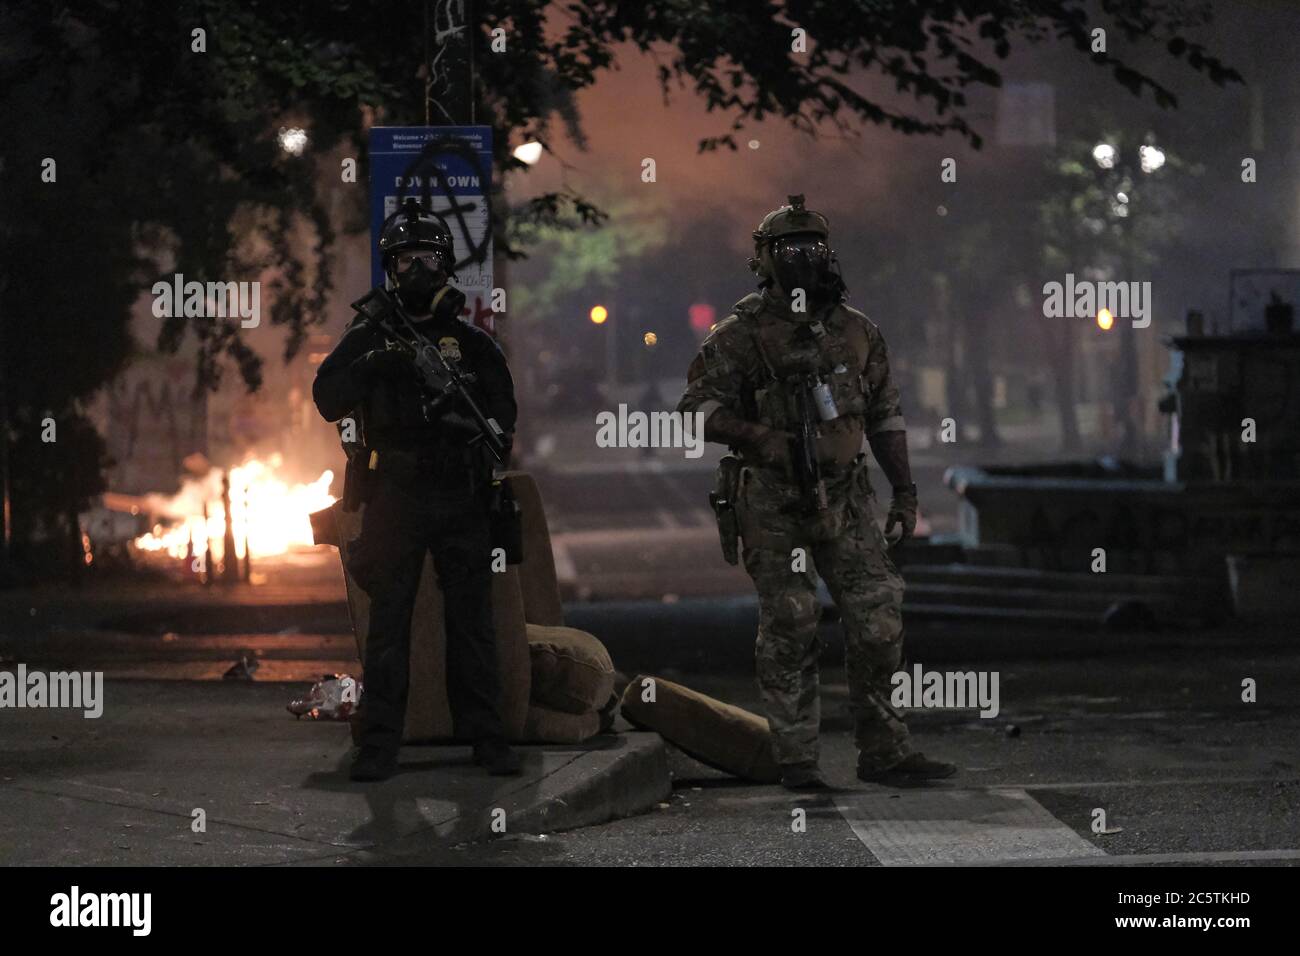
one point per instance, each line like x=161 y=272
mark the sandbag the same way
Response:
x=717 y=734
x=546 y=726
x=572 y=670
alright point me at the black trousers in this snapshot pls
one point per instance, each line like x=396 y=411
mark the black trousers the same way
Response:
x=399 y=526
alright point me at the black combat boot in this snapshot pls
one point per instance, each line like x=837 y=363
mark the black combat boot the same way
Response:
x=496 y=755
x=914 y=768
x=374 y=763
x=803 y=776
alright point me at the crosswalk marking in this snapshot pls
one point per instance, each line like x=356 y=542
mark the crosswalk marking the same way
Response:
x=912 y=827
x=1152 y=859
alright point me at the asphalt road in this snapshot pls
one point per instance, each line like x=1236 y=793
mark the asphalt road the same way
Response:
x=1157 y=737
x=1150 y=728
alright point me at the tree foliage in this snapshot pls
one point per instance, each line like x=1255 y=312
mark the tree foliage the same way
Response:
x=1090 y=215
x=181 y=142
x=168 y=159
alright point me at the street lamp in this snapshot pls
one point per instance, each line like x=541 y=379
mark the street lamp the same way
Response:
x=1121 y=201
x=1150 y=158
x=528 y=153
x=1104 y=155
x=292 y=139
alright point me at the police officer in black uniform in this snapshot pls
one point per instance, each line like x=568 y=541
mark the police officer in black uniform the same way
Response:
x=427 y=488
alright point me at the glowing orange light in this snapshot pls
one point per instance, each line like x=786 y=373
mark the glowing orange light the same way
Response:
x=1105 y=320
x=599 y=314
x=266 y=510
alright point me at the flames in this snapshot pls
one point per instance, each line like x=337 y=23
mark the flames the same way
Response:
x=267 y=512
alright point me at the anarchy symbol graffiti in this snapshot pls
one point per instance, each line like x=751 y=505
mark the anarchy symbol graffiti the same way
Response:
x=448 y=171
x=426 y=176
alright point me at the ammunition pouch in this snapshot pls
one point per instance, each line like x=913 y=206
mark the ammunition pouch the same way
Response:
x=723 y=501
x=505 y=519
x=358 y=479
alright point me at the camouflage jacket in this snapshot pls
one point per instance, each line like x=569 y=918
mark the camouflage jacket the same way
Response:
x=744 y=363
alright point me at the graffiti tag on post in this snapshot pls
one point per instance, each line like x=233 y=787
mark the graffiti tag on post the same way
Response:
x=449 y=169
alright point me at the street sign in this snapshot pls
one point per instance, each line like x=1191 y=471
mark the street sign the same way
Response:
x=449 y=169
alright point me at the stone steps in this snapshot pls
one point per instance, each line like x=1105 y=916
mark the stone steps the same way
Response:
x=1026 y=595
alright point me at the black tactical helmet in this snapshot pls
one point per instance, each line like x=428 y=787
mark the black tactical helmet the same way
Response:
x=791 y=247
x=789 y=220
x=414 y=227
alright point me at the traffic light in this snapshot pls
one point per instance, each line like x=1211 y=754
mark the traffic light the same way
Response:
x=702 y=316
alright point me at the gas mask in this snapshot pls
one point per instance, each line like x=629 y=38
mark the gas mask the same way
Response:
x=417 y=284
x=805 y=262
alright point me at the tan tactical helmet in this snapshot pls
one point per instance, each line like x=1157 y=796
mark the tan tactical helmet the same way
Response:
x=788 y=220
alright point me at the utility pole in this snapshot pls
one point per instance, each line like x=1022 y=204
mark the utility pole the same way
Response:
x=450 y=98
x=1128 y=390
x=209 y=560
x=611 y=349
x=448 y=62
x=248 y=550
x=229 y=562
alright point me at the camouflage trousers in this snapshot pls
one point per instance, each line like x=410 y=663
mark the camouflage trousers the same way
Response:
x=784 y=552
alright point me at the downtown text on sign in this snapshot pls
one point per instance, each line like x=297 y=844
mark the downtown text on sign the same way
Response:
x=450 y=168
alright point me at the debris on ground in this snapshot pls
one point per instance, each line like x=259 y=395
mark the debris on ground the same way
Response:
x=333 y=697
x=242 y=669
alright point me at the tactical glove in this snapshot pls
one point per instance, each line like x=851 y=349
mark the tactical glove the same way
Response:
x=769 y=447
x=902 y=515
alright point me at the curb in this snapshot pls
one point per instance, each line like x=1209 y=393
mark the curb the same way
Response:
x=600 y=786
x=623 y=775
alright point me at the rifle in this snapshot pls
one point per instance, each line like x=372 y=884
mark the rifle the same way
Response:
x=807 y=469
x=442 y=381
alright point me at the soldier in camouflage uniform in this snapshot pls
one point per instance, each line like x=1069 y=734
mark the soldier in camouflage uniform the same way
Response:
x=793 y=343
